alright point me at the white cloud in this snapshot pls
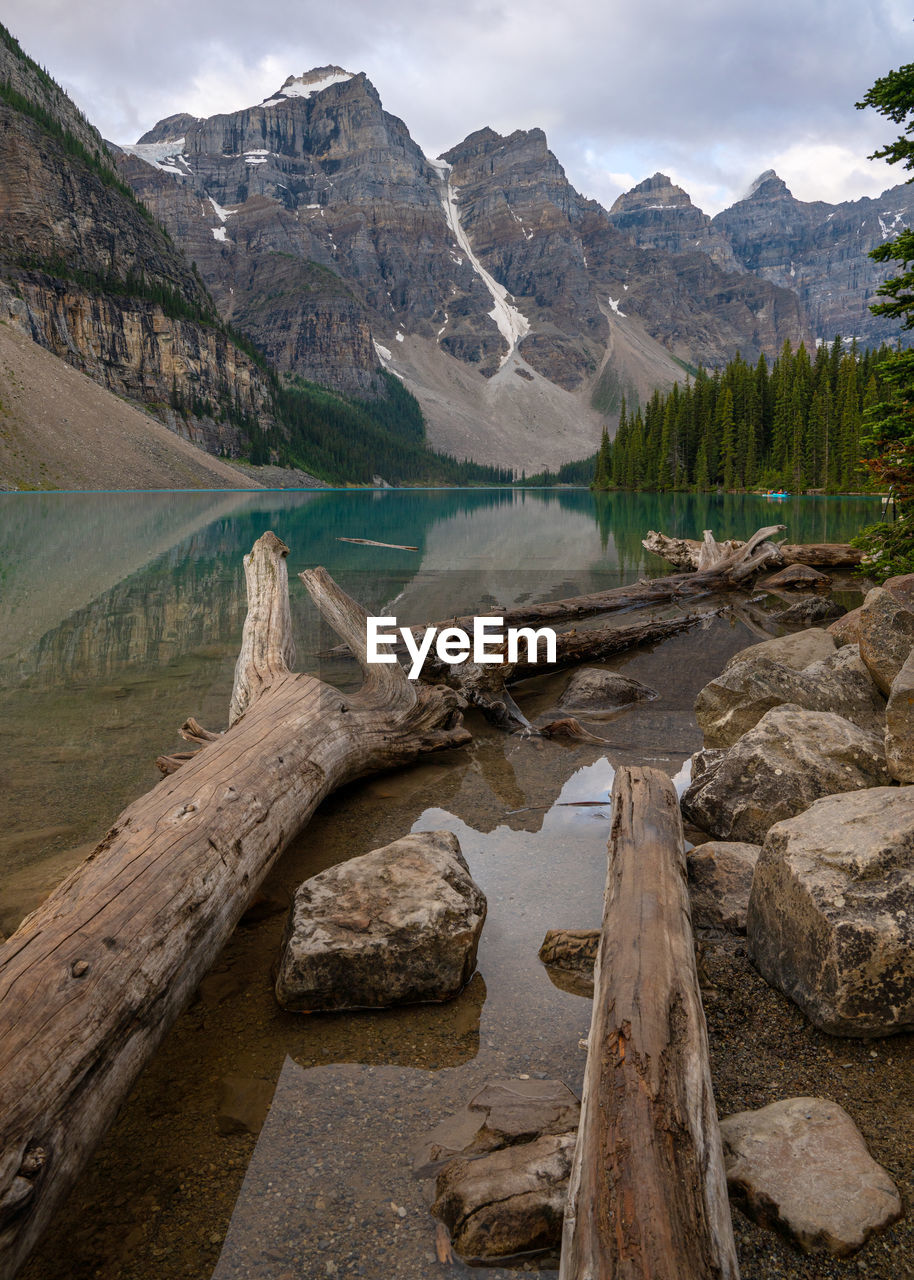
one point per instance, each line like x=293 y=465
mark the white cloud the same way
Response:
x=832 y=172
x=711 y=93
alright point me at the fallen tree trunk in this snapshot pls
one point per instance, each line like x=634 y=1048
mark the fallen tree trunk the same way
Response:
x=484 y=685
x=93 y=979
x=688 y=554
x=648 y=1193
x=727 y=573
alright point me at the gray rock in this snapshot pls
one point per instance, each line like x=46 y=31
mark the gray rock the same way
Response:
x=801 y=1165
x=831 y=914
x=809 y=610
x=796 y=577
x=899 y=724
x=509 y=1202
x=776 y=770
x=902 y=588
x=720 y=880
x=505 y=1113
x=886 y=636
x=846 y=629
x=398 y=925
x=594 y=690
x=732 y=704
x=797 y=650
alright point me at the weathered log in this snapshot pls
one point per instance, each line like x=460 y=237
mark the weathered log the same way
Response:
x=832 y=555
x=729 y=572
x=648 y=1193
x=484 y=686
x=688 y=553
x=92 y=980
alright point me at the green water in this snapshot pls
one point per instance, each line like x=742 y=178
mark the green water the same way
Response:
x=120 y=615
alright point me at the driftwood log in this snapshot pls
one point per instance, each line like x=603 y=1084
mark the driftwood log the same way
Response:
x=648 y=1193
x=725 y=567
x=689 y=554
x=93 y=979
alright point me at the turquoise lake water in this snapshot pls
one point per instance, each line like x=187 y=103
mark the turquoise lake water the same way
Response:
x=120 y=615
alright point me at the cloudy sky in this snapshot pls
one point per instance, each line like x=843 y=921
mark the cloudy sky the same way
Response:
x=709 y=91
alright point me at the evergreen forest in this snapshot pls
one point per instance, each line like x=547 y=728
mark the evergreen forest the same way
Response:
x=794 y=425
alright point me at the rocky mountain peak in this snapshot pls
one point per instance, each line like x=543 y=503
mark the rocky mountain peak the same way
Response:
x=656 y=192
x=768 y=186
x=309 y=83
x=171 y=129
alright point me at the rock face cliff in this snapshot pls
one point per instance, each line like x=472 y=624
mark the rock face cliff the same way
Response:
x=483 y=278
x=87 y=273
x=659 y=215
x=819 y=251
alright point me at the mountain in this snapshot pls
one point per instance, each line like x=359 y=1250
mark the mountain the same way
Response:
x=817 y=250
x=510 y=305
x=659 y=215
x=820 y=251
x=87 y=273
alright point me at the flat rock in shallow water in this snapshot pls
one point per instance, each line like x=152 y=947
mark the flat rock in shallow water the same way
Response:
x=504 y=1113
x=801 y=1166
x=796 y=577
x=398 y=925
x=594 y=690
x=720 y=880
x=810 y=610
x=831 y=914
x=776 y=770
x=508 y=1202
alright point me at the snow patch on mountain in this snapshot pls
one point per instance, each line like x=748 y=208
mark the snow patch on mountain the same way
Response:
x=512 y=324
x=218 y=210
x=167 y=156
x=306 y=85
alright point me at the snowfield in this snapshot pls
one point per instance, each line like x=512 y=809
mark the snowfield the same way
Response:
x=512 y=324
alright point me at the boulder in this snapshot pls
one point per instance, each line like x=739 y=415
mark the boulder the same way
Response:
x=776 y=770
x=831 y=914
x=796 y=650
x=594 y=690
x=720 y=880
x=846 y=629
x=505 y=1113
x=809 y=611
x=886 y=636
x=899 y=724
x=902 y=588
x=796 y=577
x=801 y=1166
x=508 y=1202
x=730 y=705
x=398 y=925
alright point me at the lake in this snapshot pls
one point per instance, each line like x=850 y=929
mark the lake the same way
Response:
x=120 y=616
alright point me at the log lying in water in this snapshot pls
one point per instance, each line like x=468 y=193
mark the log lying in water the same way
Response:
x=688 y=554
x=648 y=1193
x=484 y=686
x=93 y=979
